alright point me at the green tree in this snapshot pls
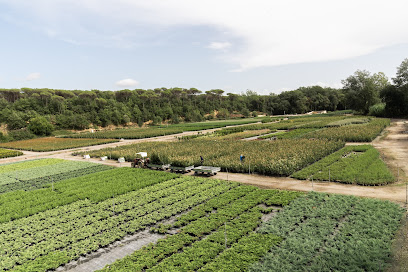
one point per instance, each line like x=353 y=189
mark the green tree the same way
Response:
x=222 y=113
x=40 y=126
x=245 y=112
x=402 y=74
x=363 y=90
x=15 y=121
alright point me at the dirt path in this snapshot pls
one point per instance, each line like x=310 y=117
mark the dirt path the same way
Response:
x=66 y=154
x=118 y=250
x=394 y=146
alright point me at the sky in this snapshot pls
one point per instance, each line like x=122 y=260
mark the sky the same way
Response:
x=266 y=46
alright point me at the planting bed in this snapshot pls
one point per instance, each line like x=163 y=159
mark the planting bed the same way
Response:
x=6 y=153
x=282 y=157
x=30 y=175
x=359 y=164
x=365 y=132
x=341 y=128
x=216 y=225
x=139 y=133
x=314 y=232
x=51 y=143
x=95 y=187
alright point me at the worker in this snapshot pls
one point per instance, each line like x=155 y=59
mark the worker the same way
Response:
x=242 y=158
x=202 y=160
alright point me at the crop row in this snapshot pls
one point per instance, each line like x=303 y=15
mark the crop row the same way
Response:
x=9 y=167
x=104 y=223
x=242 y=254
x=282 y=157
x=352 y=133
x=139 y=133
x=358 y=164
x=52 y=143
x=63 y=214
x=41 y=182
x=238 y=135
x=233 y=215
x=291 y=134
x=331 y=233
x=96 y=187
x=349 y=121
x=6 y=153
x=212 y=245
x=34 y=173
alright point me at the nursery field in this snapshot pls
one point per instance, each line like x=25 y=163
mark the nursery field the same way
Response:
x=291 y=134
x=52 y=144
x=31 y=175
x=6 y=153
x=216 y=225
x=365 y=132
x=154 y=131
x=357 y=164
x=341 y=128
x=282 y=157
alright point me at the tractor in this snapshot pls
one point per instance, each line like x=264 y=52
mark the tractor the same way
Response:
x=140 y=160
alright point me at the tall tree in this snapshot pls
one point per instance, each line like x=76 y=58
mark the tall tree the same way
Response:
x=402 y=74
x=363 y=89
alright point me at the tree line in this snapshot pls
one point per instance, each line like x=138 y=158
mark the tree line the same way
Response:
x=29 y=110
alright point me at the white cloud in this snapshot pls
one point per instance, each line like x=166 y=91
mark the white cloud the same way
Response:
x=125 y=83
x=32 y=76
x=265 y=32
x=219 y=45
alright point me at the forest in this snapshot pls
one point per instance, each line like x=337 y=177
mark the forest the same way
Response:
x=27 y=112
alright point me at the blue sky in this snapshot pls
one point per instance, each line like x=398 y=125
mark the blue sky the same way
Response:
x=265 y=46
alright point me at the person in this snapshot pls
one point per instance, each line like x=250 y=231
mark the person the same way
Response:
x=242 y=158
x=202 y=160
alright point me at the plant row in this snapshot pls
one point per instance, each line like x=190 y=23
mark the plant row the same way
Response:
x=102 y=224
x=348 y=121
x=5 y=153
x=95 y=187
x=291 y=134
x=52 y=143
x=359 y=164
x=352 y=133
x=9 y=167
x=140 y=133
x=282 y=157
x=41 y=172
x=331 y=233
x=41 y=182
x=208 y=231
